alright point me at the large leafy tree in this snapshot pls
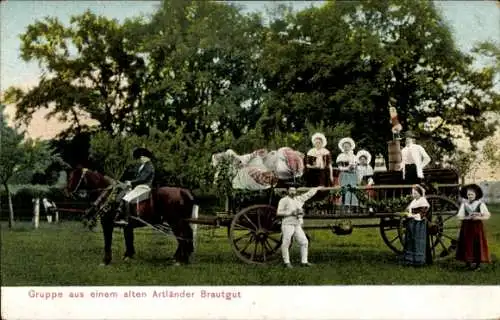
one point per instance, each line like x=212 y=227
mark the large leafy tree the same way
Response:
x=203 y=57
x=90 y=69
x=20 y=158
x=342 y=62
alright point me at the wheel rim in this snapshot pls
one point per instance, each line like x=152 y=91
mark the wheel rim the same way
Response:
x=254 y=234
x=392 y=231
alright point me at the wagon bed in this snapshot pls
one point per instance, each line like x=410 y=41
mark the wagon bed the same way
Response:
x=254 y=230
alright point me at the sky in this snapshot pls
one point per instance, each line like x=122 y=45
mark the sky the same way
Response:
x=470 y=21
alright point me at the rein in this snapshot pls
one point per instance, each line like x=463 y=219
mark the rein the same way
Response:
x=104 y=199
x=82 y=177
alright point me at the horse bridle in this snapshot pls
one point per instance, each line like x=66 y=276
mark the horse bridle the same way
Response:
x=82 y=178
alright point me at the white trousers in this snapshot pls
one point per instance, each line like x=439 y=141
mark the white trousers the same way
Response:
x=296 y=231
x=138 y=194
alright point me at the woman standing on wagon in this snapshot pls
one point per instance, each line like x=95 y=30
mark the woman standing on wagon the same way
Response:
x=472 y=244
x=346 y=162
x=417 y=250
x=319 y=163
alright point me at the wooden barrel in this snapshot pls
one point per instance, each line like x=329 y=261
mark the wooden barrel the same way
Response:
x=394 y=148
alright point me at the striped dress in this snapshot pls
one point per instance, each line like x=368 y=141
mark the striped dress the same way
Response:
x=346 y=163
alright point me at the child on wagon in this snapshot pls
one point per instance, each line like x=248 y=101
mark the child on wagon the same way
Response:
x=417 y=251
x=472 y=245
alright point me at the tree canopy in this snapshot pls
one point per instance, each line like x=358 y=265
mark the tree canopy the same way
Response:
x=208 y=76
x=20 y=158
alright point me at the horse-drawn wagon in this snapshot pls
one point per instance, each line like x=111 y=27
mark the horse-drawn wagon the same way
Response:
x=254 y=230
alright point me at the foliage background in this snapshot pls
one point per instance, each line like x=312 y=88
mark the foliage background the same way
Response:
x=199 y=77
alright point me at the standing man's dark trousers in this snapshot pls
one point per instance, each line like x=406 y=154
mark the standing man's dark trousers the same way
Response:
x=411 y=176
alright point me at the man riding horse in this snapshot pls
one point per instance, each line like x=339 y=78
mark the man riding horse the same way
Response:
x=141 y=185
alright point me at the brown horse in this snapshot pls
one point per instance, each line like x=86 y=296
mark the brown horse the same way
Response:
x=167 y=204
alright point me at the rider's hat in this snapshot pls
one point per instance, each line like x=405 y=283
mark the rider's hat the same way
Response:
x=142 y=152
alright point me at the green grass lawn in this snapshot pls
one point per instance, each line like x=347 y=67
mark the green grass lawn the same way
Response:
x=68 y=254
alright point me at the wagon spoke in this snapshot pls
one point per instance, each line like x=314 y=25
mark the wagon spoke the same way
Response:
x=447 y=236
x=271 y=249
x=248 y=244
x=264 y=252
x=440 y=241
x=395 y=238
x=248 y=219
x=254 y=251
x=243 y=236
x=258 y=220
x=241 y=226
x=267 y=246
x=448 y=218
x=277 y=241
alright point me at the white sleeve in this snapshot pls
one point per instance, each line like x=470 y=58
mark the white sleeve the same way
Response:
x=306 y=196
x=338 y=158
x=425 y=157
x=404 y=151
x=461 y=212
x=370 y=171
x=485 y=213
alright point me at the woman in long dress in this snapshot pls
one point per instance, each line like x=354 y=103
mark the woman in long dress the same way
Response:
x=417 y=250
x=346 y=162
x=319 y=163
x=472 y=244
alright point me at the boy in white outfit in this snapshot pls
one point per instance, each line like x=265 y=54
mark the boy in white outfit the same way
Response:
x=290 y=208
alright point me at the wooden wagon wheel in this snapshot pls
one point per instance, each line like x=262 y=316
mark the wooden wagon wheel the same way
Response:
x=444 y=225
x=254 y=234
x=392 y=230
x=443 y=229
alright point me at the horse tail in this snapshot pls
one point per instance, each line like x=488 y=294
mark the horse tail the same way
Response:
x=191 y=211
x=190 y=202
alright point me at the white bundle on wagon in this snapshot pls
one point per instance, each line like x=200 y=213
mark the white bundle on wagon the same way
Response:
x=260 y=169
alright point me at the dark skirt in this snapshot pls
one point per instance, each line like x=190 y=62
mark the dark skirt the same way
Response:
x=417 y=249
x=318 y=177
x=411 y=176
x=472 y=244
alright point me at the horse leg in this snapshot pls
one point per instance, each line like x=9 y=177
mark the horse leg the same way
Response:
x=178 y=252
x=128 y=234
x=185 y=242
x=188 y=248
x=107 y=228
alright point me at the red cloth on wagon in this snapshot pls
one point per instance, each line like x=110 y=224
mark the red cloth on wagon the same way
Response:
x=261 y=176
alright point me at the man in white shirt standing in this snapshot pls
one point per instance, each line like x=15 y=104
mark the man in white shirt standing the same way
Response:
x=290 y=208
x=414 y=159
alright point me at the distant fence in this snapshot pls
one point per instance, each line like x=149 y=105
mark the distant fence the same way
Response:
x=73 y=209
x=491 y=190
x=23 y=209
